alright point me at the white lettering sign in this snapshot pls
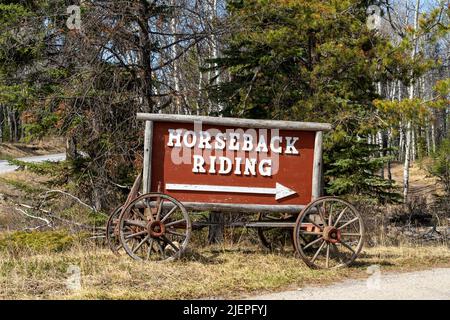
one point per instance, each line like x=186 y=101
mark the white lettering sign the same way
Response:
x=250 y=149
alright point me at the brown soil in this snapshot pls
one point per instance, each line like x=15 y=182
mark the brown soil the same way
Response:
x=421 y=183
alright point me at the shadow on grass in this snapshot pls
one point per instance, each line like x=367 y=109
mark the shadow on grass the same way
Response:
x=195 y=256
x=211 y=255
x=365 y=255
x=365 y=264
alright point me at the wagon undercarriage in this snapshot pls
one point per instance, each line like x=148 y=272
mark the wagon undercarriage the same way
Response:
x=328 y=233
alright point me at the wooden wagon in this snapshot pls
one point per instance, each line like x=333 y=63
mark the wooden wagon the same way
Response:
x=264 y=167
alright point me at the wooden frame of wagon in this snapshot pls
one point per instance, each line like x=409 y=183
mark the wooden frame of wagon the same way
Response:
x=318 y=128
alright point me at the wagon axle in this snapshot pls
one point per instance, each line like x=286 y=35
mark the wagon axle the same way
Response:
x=156 y=229
x=332 y=234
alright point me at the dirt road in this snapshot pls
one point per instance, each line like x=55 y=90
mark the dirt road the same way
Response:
x=5 y=167
x=429 y=285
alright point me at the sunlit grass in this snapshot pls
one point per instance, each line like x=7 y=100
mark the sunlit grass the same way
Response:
x=212 y=272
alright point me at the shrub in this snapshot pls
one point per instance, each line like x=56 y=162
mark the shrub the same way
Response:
x=36 y=241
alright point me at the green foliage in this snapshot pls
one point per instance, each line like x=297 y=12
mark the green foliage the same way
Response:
x=352 y=169
x=59 y=172
x=440 y=165
x=84 y=215
x=27 y=76
x=36 y=241
x=43 y=168
x=20 y=185
x=310 y=61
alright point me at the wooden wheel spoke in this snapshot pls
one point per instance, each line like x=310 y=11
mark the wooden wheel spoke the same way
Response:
x=175 y=233
x=150 y=248
x=347 y=246
x=140 y=244
x=321 y=214
x=351 y=234
x=168 y=241
x=318 y=251
x=312 y=242
x=148 y=212
x=161 y=249
x=174 y=223
x=340 y=216
x=311 y=233
x=169 y=213
x=336 y=251
x=348 y=222
x=136 y=223
x=327 y=262
x=330 y=216
x=160 y=206
x=137 y=234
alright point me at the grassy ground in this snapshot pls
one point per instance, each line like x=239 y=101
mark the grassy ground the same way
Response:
x=37 y=265
x=212 y=272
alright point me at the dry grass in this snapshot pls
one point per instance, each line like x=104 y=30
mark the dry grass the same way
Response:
x=210 y=272
x=220 y=272
x=46 y=146
x=18 y=187
x=421 y=183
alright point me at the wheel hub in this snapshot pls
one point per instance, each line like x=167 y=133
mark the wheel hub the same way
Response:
x=156 y=229
x=332 y=234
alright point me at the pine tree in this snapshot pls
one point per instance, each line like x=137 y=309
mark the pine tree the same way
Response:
x=310 y=61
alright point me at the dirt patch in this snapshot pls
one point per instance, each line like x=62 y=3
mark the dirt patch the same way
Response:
x=421 y=183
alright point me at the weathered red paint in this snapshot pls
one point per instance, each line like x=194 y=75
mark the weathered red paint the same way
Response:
x=295 y=171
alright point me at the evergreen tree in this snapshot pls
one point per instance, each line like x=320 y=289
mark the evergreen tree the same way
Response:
x=310 y=61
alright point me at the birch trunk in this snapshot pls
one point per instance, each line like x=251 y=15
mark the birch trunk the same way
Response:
x=409 y=125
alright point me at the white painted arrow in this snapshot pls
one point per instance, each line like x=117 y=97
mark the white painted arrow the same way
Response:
x=279 y=191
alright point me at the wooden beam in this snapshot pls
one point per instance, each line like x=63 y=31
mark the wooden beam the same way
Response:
x=236 y=122
x=147 y=170
x=317 y=167
x=240 y=208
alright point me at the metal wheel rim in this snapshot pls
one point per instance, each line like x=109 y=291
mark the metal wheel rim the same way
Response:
x=328 y=247
x=182 y=246
x=110 y=226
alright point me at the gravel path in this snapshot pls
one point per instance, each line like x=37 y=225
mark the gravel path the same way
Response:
x=429 y=285
x=5 y=167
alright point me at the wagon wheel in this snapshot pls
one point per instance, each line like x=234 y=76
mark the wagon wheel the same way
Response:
x=274 y=238
x=329 y=233
x=112 y=231
x=154 y=227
